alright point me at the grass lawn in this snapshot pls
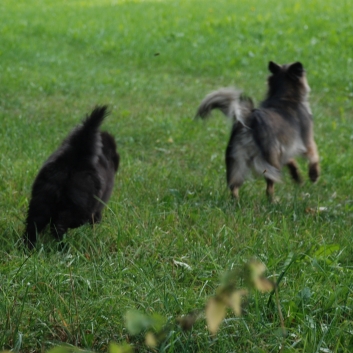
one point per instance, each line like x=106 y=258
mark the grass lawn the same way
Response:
x=153 y=62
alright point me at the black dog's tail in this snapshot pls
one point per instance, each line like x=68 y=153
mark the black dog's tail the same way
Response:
x=229 y=101
x=85 y=139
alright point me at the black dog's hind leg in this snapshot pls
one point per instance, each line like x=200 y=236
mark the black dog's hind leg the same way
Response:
x=37 y=219
x=63 y=221
x=67 y=219
x=34 y=226
x=58 y=230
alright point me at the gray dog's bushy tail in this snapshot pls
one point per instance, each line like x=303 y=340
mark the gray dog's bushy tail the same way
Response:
x=229 y=101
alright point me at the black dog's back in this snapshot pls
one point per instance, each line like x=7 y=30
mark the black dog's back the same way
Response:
x=68 y=187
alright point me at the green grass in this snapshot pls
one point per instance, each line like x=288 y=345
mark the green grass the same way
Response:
x=170 y=202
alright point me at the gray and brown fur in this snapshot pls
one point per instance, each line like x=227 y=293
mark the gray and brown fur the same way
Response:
x=75 y=182
x=269 y=137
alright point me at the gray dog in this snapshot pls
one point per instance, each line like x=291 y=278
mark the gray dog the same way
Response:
x=269 y=137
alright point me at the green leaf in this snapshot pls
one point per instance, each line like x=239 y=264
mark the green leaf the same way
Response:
x=326 y=250
x=136 y=322
x=60 y=349
x=115 y=348
x=305 y=294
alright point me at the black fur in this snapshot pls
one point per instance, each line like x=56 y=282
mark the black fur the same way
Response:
x=75 y=182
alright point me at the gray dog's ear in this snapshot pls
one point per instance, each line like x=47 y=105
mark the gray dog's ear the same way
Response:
x=273 y=67
x=296 y=69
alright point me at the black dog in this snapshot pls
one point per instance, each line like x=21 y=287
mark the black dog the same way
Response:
x=269 y=137
x=75 y=182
